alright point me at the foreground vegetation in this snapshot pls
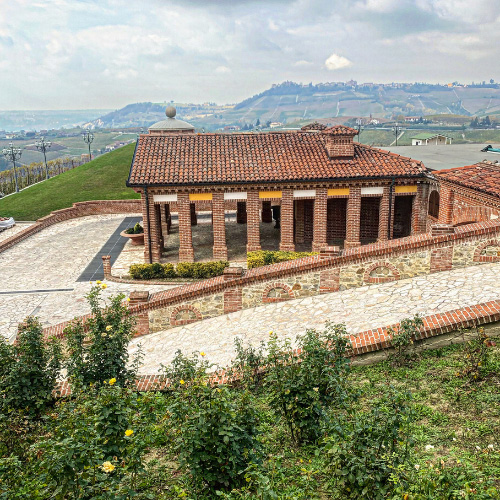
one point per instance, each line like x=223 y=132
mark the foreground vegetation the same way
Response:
x=100 y=179
x=413 y=427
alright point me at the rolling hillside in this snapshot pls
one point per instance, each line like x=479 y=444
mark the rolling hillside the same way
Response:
x=101 y=179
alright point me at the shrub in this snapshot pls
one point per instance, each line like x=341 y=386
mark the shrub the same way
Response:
x=266 y=257
x=28 y=370
x=477 y=356
x=216 y=434
x=367 y=446
x=94 y=442
x=137 y=229
x=402 y=339
x=200 y=270
x=196 y=270
x=98 y=350
x=301 y=387
x=248 y=363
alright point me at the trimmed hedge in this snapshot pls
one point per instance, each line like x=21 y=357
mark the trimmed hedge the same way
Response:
x=266 y=257
x=196 y=270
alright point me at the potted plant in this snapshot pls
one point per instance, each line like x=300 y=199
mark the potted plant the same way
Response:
x=136 y=234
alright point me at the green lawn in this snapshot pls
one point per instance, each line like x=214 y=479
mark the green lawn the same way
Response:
x=101 y=179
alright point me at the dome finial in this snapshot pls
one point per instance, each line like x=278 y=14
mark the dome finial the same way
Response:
x=171 y=112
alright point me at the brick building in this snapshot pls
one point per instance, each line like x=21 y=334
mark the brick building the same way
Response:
x=327 y=187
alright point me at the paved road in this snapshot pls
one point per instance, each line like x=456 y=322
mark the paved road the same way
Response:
x=360 y=309
x=39 y=275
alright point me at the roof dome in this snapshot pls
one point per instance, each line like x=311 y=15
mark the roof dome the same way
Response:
x=171 y=124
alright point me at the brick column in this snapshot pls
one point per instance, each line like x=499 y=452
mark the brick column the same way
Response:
x=155 y=237
x=219 y=227
x=232 y=296
x=241 y=212
x=287 y=244
x=299 y=221
x=320 y=217
x=419 y=204
x=446 y=200
x=106 y=265
x=194 y=219
x=142 y=318
x=442 y=257
x=186 y=251
x=383 y=221
x=165 y=219
x=267 y=214
x=353 y=218
x=253 y=220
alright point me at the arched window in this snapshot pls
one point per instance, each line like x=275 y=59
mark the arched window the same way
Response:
x=434 y=204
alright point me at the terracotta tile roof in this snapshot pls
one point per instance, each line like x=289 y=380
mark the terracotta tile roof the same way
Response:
x=483 y=176
x=313 y=126
x=340 y=130
x=255 y=158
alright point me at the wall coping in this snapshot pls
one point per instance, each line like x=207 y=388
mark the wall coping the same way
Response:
x=362 y=342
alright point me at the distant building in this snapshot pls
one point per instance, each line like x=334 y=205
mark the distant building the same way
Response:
x=430 y=140
x=275 y=124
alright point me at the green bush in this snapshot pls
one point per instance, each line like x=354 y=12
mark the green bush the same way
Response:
x=137 y=229
x=195 y=270
x=28 y=370
x=266 y=257
x=366 y=447
x=302 y=386
x=99 y=351
x=93 y=443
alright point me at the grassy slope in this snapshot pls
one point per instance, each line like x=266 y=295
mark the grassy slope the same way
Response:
x=100 y=179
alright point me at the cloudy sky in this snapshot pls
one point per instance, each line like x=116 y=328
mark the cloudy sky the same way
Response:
x=77 y=54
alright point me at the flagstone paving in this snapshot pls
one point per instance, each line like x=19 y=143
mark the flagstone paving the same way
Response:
x=360 y=309
x=53 y=260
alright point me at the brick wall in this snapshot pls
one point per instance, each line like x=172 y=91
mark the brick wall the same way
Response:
x=80 y=209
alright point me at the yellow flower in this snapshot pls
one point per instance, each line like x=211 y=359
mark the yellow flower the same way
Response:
x=202 y=353
x=181 y=382
x=271 y=332
x=112 y=381
x=104 y=286
x=98 y=282
x=287 y=391
x=129 y=432
x=315 y=389
x=107 y=467
x=128 y=299
x=108 y=328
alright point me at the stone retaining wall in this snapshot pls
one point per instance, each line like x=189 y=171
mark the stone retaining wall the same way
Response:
x=80 y=209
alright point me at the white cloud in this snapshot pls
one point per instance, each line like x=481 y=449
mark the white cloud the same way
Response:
x=335 y=62
x=222 y=69
x=302 y=63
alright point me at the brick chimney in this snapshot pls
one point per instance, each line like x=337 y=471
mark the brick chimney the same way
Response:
x=339 y=142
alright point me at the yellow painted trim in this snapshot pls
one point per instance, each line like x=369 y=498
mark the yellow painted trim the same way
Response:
x=270 y=194
x=338 y=192
x=406 y=189
x=200 y=196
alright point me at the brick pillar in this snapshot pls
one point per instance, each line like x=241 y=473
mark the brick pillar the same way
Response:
x=142 y=317
x=186 y=251
x=253 y=220
x=219 y=227
x=417 y=223
x=424 y=207
x=287 y=244
x=446 y=200
x=155 y=227
x=145 y=216
x=442 y=257
x=232 y=296
x=320 y=217
x=165 y=220
x=353 y=217
x=241 y=212
x=267 y=213
x=194 y=219
x=106 y=265
x=383 y=221
x=299 y=221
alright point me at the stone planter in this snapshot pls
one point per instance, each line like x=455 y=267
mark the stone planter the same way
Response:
x=135 y=239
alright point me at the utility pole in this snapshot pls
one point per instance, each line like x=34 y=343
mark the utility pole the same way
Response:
x=42 y=145
x=396 y=129
x=13 y=154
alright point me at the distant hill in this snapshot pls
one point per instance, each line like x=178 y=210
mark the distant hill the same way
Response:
x=290 y=102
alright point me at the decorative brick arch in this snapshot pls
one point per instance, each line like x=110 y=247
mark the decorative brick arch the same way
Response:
x=482 y=254
x=185 y=314
x=277 y=292
x=387 y=273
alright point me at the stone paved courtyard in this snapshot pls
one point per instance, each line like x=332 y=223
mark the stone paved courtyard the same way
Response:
x=53 y=260
x=359 y=308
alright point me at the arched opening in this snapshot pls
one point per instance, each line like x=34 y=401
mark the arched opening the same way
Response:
x=434 y=204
